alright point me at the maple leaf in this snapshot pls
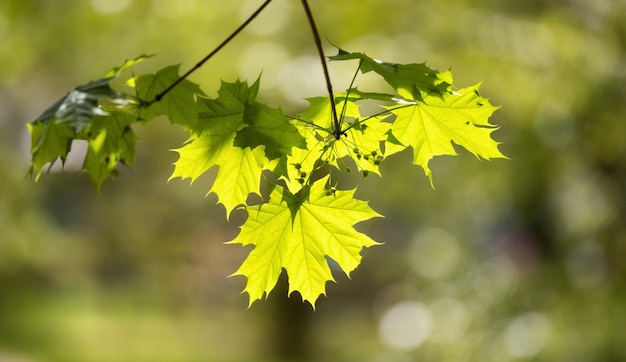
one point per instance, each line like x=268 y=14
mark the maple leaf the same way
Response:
x=54 y=130
x=179 y=104
x=411 y=81
x=239 y=169
x=82 y=103
x=110 y=140
x=49 y=141
x=270 y=128
x=430 y=127
x=240 y=158
x=299 y=233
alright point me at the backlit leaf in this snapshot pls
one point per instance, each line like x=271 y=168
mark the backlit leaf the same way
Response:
x=299 y=233
x=241 y=137
x=430 y=127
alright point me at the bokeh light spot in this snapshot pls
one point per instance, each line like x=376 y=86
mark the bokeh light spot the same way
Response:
x=405 y=325
x=450 y=320
x=527 y=334
x=434 y=253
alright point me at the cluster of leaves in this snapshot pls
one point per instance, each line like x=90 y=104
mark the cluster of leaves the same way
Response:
x=305 y=220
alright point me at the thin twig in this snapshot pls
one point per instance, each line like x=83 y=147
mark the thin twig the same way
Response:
x=345 y=103
x=361 y=121
x=211 y=54
x=318 y=43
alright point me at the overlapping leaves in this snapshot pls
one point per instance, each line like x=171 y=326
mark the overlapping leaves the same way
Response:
x=241 y=137
x=79 y=115
x=305 y=220
x=427 y=113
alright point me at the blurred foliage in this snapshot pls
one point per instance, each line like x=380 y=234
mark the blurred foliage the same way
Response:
x=504 y=260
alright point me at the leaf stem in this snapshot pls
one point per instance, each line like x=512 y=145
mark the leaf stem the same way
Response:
x=345 y=103
x=318 y=127
x=361 y=121
x=318 y=43
x=212 y=53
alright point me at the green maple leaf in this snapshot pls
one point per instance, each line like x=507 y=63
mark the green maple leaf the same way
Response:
x=49 y=141
x=432 y=126
x=298 y=233
x=213 y=146
x=179 y=104
x=111 y=140
x=241 y=157
x=411 y=81
x=270 y=128
x=81 y=104
x=54 y=130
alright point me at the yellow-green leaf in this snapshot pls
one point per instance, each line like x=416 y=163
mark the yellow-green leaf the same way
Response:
x=432 y=126
x=300 y=233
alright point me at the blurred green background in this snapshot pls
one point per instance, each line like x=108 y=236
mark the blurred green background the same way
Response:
x=519 y=259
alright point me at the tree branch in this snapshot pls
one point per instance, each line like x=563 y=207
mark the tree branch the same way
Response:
x=211 y=54
x=318 y=43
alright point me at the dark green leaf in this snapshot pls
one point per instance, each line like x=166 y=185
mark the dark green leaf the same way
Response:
x=409 y=80
x=268 y=127
x=179 y=104
x=111 y=141
x=82 y=103
x=49 y=142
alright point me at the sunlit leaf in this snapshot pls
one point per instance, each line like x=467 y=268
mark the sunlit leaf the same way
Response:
x=299 y=233
x=432 y=126
x=240 y=156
